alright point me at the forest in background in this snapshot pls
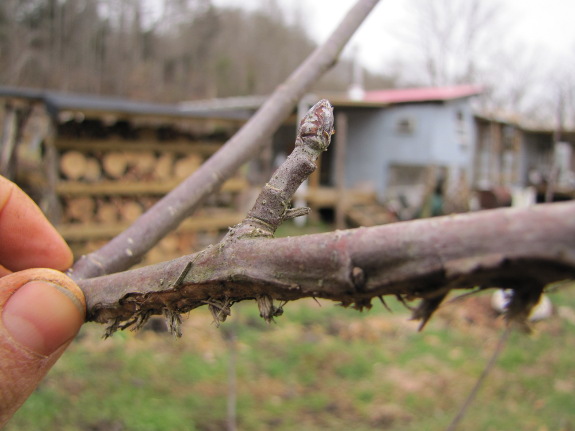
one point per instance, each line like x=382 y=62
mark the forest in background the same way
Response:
x=165 y=51
x=177 y=50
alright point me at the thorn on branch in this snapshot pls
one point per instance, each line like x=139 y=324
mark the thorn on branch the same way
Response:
x=426 y=308
x=467 y=294
x=182 y=275
x=385 y=304
x=403 y=302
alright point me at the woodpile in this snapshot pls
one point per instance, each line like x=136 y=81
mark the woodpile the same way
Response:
x=115 y=164
x=105 y=185
x=79 y=209
x=186 y=166
x=76 y=166
x=106 y=212
x=164 y=166
x=127 y=165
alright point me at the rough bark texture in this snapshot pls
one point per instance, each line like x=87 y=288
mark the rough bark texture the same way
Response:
x=521 y=249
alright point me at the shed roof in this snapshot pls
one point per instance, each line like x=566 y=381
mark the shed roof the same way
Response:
x=88 y=103
x=425 y=94
x=235 y=108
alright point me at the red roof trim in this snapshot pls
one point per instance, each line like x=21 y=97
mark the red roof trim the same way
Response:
x=428 y=94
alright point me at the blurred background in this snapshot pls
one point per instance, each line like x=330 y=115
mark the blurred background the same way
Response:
x=522 y=51
x=450 y=106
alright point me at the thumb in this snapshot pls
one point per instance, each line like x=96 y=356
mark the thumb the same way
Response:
x=41 y=310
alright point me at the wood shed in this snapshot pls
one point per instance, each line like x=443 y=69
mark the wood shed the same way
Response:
x=94 y=164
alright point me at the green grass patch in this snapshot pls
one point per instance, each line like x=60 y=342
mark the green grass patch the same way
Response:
x=316 y=368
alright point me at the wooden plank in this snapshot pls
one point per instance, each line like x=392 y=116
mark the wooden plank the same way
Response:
x=153 y=118
x=495 y=174
x=50 y=203
x=83 y=232
x=8 y=142
x=204 y=148
x=112 y=188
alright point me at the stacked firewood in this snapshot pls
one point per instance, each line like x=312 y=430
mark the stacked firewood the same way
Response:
x=127 y=165
x=102 y=191
x=119 y=167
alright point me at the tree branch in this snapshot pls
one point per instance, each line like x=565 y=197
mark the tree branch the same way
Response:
x=521 y=249
x=127 y=248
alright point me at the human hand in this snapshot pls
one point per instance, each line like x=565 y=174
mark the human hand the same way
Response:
x=41 y=309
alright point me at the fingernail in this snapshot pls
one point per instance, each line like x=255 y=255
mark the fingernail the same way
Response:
x=42 y=316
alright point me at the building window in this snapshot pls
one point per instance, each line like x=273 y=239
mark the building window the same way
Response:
x=509 y=138
x=461 y=129
x=405 y=126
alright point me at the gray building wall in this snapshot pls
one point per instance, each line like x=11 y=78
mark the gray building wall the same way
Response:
x=419 y=134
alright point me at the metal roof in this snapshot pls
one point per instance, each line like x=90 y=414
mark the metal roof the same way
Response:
x=59 y=101
x=21 y=93
x=232 y=108
x=240 y=102
x=425 y=94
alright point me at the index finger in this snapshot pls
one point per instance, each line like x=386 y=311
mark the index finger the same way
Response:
x=27 y=239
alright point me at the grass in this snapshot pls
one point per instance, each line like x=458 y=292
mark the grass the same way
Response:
x=317 y=368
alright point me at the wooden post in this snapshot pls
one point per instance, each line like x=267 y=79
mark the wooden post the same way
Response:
x=340 y=153
x=495 y=175
x=50 y=203
x=8 y=142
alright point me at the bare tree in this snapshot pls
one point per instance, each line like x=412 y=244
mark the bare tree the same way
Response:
x=451 y=38
x=511 y=87
x=551 y=105
x=190 y=49
x=471 y=42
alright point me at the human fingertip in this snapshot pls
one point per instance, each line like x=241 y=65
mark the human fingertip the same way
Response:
x=43 y=315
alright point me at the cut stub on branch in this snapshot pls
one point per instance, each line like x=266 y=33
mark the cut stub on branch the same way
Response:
x=272 y=205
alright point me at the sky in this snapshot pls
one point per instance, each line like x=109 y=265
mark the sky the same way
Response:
x=544 y=25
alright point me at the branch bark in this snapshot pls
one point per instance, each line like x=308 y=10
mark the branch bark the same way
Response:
x=127 y=248
x=521 y=249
